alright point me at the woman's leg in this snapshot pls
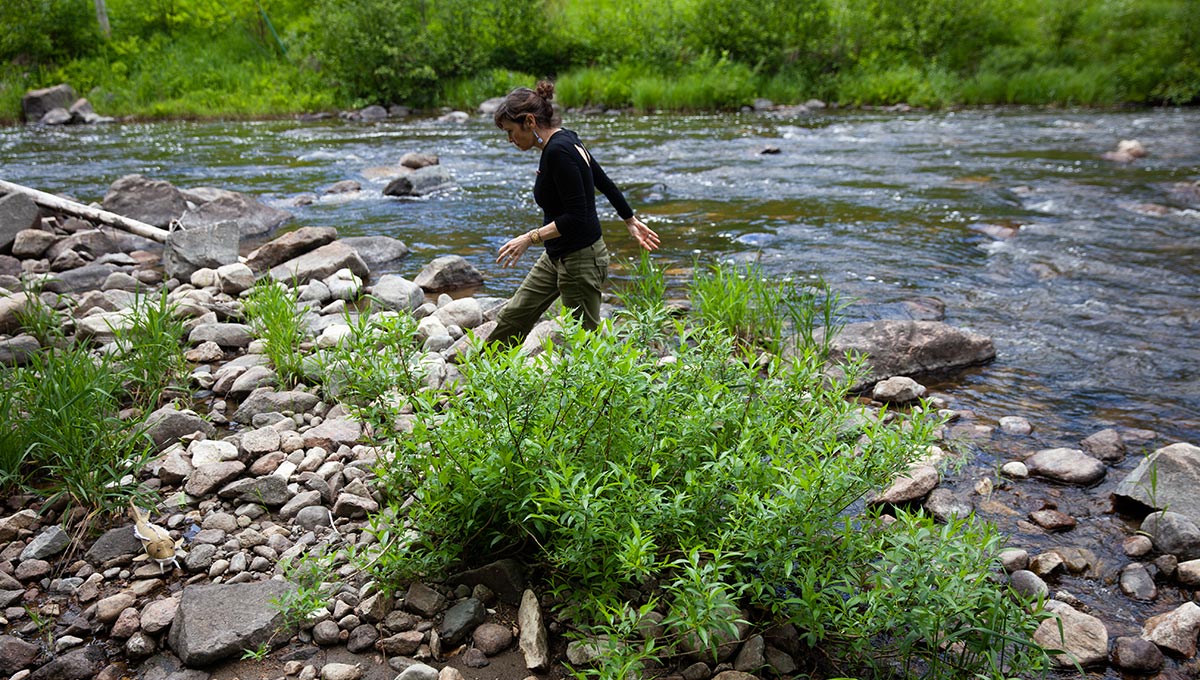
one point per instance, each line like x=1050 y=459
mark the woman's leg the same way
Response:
x=537 y=292
x=581 y=276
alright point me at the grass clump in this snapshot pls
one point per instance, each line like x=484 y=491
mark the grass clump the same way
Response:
x=688 y=479
x=72 y=421
x=272 y=312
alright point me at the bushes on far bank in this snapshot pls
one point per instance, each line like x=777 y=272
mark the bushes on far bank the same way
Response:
x=201 y=57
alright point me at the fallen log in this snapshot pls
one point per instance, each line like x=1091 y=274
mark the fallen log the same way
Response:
x=89 y=213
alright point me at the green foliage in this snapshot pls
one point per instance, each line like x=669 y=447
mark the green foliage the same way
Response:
x=709 y=482
x=38 y=318
x=44 y=31
x=272 y=313
x=309 y=573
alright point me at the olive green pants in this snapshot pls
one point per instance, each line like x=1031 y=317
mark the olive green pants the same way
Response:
x=577 y=277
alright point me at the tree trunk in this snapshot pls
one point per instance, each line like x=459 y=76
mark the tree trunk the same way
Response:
x=102 y=17
x=87 y=212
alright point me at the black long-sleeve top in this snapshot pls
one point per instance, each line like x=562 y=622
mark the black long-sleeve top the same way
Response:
x=565 y=188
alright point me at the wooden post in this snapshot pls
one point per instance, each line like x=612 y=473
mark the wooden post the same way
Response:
x=87 y=212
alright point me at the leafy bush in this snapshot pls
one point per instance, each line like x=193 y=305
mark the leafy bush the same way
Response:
x=148 y=350
x=706 y=482
x=43 y=31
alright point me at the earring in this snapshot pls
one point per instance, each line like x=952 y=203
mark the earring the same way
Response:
x=538 y=137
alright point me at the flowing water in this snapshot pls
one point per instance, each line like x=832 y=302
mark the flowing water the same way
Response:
x=1085 y=272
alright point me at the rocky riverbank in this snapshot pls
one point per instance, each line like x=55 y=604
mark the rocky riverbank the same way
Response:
x=253 y=475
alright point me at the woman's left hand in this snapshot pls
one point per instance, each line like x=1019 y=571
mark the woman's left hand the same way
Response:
x=513 y=250
x=644 y=235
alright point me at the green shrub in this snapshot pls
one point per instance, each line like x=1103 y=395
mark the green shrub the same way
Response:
x=707 y=482
x=44 y=31
x=149 y=351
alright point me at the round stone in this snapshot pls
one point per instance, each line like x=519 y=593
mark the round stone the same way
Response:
x=492 y=638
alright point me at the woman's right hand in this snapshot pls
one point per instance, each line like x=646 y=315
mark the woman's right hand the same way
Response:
x=513 y=250
x=644 y=235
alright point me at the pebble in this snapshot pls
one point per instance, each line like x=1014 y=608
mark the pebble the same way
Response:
x=1137 y=583
x=1015 y=470
x=1137 y=546
x=1052 y=520
x=1015 y=425
x=1014 y=559
x=1046 y=563
x=1029 y=584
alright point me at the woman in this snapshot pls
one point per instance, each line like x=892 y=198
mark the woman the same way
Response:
x=574 y=264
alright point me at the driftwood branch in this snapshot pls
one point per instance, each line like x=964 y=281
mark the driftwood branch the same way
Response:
x=89 y=213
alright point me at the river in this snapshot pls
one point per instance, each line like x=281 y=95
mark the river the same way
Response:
x=1084 y=272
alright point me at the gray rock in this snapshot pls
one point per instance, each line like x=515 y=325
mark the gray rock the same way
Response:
x=251 y=216
x=752 y=656
x=1029 y=585
x=200 y=557
x=207 y=478
x=1137 y=583
x=505 y=577
x=326 y=633
x=302 y=501
x=1015 y=469
x=362 y=638
x=944 y=506
x=28 y=243
x=1136 y=655
x=235 y=335
x=268 y=490
x=418 y=671
x=108 y=609
x=1167 y=478
x=78 y=664
x=252 y=379
x=1106 y=445
x=354 y=506
x=13 y=525
x=114 y=543
x=464 y=313
x=378 y=252
x=51 y=541
x=450 y=272
x=1176 y=630
x=10 y=307
x=405 y=643
x=397 y=293
x=1067 y=466
x=1188 y=573
x=421 y=182
x=333 y=433
x=85 y=278
x=492 y=638
x=37 y=103
x=18 y=213
x=320 y=264
x=1015 y=425
x=915 y=484
x=218 y=622
x=93 y=242
x=15 y=654
x=104 y=327
x=168 y=425
x=155 y=202
x=266 y=400
x=210 y=246
x=235 y=278
x=1083 y=638
x=58 y=116
x=157 y=616
x=461 y=619
x=19 y=350
x=909 y=348
x=417 y=160
x=897 y=390
x=289 y=246
x=1014 y=559
x=1173 y=533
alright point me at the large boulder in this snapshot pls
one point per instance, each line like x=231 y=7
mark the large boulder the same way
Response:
x=1173 y=533
x=320 y=264
x=397 y=293
x=1175 y=631
x=908 y=348
x=1166 y=479
x=218 y=622
x=288 y=246
x=1067 y=466
x=208 y=247
x=421 y=182
x=153 y=201
x=1082 y=638
x=37 y=103
x=18 y=212
x=251 y=216
x=377 y=251
x=449 y=272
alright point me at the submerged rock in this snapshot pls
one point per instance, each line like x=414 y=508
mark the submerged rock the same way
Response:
x=1068 y=466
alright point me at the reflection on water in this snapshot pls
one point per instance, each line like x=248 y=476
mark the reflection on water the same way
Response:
x=1091 y=299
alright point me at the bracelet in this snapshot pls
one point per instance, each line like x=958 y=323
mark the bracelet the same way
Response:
x=534 y=236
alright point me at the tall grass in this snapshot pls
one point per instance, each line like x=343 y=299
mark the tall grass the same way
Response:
x=149 y=350
x=272 y=312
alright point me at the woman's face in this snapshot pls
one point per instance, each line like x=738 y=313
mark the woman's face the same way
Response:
x=520 y=135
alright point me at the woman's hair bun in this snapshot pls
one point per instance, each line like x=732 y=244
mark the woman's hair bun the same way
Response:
x=545 y=89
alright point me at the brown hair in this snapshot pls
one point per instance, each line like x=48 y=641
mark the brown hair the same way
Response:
x=524 y=101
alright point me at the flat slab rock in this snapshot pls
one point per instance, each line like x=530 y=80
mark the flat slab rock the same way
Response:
x=218 y=622
x=907 y=348
x=1067 y=466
